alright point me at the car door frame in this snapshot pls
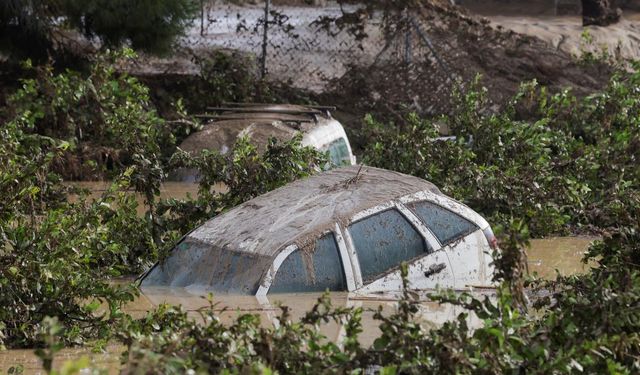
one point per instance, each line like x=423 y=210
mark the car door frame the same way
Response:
x=347 y=269
x=426 y=234
x=460 y=209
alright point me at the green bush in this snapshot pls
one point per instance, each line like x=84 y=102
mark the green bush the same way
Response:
x=583 y=324
x=104 y=114
x=558 y=162
x=33 y=28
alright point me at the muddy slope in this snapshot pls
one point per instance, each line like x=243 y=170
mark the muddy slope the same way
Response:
x=465 y=46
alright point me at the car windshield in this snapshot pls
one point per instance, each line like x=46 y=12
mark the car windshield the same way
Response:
x=194 y=263
x=339 y=153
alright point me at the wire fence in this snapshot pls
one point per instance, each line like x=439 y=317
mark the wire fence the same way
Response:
x=291 y=46
x=416 y=59
x=294 y=44
x=297 y=46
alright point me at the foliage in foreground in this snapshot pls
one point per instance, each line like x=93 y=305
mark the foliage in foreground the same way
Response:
x=56 y=256
x=560 y=336
x=557 y=161
x=105 y=116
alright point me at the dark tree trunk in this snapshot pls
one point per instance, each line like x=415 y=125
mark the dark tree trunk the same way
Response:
x=600 y=12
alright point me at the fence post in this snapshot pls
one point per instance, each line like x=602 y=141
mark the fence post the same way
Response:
x=408 y=53
x=201 y=17
x=265 y=39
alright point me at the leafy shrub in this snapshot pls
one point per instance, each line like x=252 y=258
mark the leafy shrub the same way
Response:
x=31 y=29
x=226 y=77
x=555 y=161
x=106 y=115
x=59 y=266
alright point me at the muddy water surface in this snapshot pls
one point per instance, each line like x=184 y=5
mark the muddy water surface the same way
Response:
x=228 y=308
x=563 y=254
x=178 y=190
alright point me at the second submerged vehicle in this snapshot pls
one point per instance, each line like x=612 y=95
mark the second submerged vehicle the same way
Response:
x=261 y=122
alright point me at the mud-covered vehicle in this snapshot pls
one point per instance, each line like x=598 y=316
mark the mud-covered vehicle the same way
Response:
x=261 y=122
x=347 y=229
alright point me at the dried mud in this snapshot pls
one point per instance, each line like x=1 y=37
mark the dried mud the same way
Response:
x=465 y=46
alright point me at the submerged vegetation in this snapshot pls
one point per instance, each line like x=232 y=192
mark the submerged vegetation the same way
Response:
x=545 y=164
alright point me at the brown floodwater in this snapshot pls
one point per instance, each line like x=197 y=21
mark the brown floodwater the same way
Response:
x=228 y=308
x=563 y=254
x=178 y=190
x=544 y=257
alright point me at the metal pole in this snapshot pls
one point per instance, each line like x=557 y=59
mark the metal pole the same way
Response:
x=201 y=17
x=407 y=47
x=265 y=39
x=407 y=37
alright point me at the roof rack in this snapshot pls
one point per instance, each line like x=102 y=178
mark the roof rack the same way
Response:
x=232 y=117
x=279 y=111
x=253 y=111
x=317 y=107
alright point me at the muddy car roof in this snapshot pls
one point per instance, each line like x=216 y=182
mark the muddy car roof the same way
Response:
x=258 y=122
x=300 y=211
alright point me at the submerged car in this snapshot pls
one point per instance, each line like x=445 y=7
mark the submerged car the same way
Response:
x=346 y=229
x=261 y=122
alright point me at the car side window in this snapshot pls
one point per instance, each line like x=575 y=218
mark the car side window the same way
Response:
x=339 y=153
x=445 y=225
x=383 y=241
x=312 y=271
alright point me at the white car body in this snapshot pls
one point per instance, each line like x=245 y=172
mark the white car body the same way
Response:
x=326 y=133
x=261 y=122
x=377 y=219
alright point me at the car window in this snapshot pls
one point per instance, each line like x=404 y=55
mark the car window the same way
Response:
x=445 y=225
x=339 y=152
x=383 y=241
x=315 y=271
x=222 y=271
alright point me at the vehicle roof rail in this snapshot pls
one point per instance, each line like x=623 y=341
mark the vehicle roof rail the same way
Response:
x=318 y=107
x=280 y=111
x=232 y=117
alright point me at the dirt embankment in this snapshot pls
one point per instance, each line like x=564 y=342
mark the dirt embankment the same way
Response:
x=462 y=46
x=566 y=33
